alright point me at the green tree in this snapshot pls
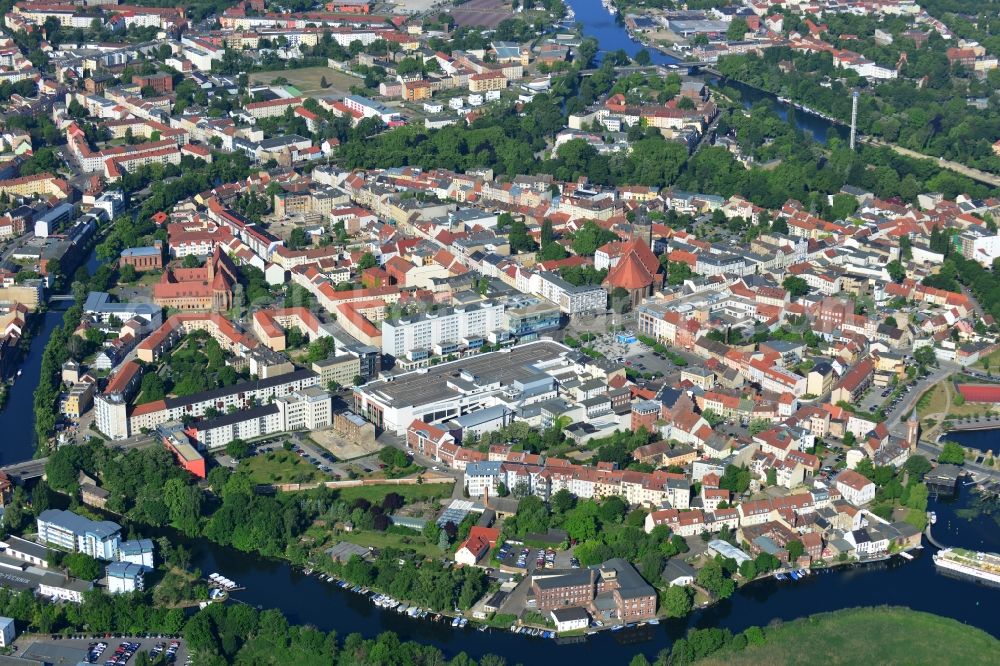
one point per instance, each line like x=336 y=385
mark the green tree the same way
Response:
x=677 y=601
x=238 y=449
x=795 y=286
x=952 y=453
x=590 y=237
x=127 y=273
x=712 y=578
x=367 y=261
x=153 y=388
x=925 y=355
x=562 y=501
x=519 y=239
x=759 y=425
x=917 y=466
x=772 y=476
x=795 y=550
x=737 y=30
x=82 y=566
x=896 y=271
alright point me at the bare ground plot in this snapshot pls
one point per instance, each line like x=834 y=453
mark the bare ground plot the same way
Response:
x=308 y=80
x=341 y=447
x=419 y=6
x=486 y=13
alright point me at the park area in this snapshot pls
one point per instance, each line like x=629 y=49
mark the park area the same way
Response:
x=279 y=467
x=904 y=637
x=309 y=80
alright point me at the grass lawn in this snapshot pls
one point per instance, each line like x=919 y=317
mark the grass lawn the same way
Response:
x=410 y=494
x=391 y=540
x=884 y=635
x=280 y=467
x=940 y=400
x=308 y=79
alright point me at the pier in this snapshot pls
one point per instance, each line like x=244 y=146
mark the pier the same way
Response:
x=930 y=537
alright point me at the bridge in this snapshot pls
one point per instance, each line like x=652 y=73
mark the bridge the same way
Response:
x=662 y=70
x=33 y=469
x=61 y=298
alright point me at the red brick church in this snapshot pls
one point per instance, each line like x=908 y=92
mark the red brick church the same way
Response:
x=637 y=271
x=207 y=288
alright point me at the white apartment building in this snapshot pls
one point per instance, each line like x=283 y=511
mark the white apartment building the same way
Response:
x=453 y=327
x=855 y=488
x=239 y=396
x=68 y=530
x=307 y=409
x=7 y=631
x=125 y=577
x=481 y=477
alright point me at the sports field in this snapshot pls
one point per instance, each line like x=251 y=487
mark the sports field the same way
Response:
x=308 y=80
x=485 y=13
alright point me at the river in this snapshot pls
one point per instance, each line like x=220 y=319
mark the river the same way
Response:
x=916 y=584
x=17 y=419
x=611 y=35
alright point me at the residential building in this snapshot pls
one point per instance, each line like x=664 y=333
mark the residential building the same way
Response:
x=99 y=539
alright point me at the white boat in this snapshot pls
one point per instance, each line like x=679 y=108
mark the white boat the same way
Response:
x=905 y=555
x=971 y=563
x=933 y=517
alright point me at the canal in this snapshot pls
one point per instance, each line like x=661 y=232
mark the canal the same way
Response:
x=17 y=419
x=983 y=440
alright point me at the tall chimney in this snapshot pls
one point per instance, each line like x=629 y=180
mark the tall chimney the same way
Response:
x=854 y=117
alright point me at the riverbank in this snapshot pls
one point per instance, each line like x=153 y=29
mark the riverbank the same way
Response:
x=903 y=636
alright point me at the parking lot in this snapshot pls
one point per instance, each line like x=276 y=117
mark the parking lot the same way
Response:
x=514 y=556
x=108 y=651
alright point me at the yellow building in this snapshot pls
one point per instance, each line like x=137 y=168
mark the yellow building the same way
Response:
x=414 y=91
x=341 y=369
x=487 y=81
x=79 y=400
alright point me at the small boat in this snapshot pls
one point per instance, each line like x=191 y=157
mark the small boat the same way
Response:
x=794 y=574
x=905 y=555
x=933 y=517
x=18 y=372
x=803 y=573
x=454 y=622
x=653 y=622
x=307 y=572
x=482 y=627
x=617 y=627
x=463 y=622
x=780 y=576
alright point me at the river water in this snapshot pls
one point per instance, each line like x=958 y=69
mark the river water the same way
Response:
x=17 y=419
x=916 y=584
